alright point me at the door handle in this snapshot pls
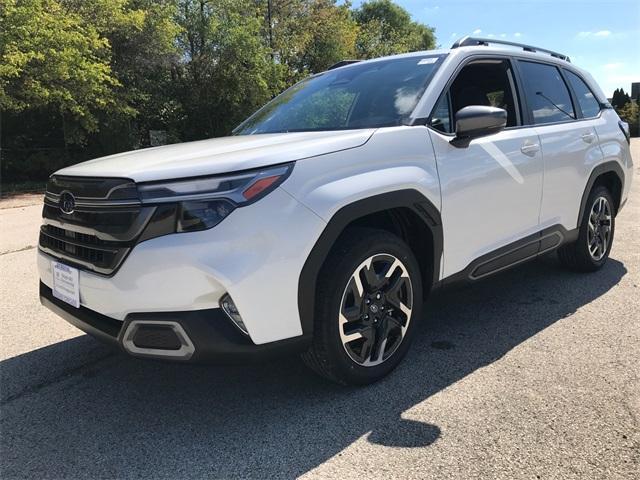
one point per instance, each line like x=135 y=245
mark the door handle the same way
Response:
x=588 y=137
x=530 y=149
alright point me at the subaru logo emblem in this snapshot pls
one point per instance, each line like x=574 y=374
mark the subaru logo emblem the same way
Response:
x=67 y=202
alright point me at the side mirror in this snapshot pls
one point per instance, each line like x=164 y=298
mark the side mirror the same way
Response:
x=477 y=121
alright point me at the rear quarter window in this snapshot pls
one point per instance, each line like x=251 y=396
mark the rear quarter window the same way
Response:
x=586 y=99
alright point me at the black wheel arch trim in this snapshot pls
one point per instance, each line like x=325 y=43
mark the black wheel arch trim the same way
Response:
x=606 y=167
x=408 y=198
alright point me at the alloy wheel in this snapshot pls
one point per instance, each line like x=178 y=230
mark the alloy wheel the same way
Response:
x=375 y=309
x=599 y=228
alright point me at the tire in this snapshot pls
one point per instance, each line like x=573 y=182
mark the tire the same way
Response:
x=579 y=255
x=347 y=326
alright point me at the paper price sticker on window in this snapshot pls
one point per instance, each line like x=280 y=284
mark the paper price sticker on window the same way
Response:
x=66 y=285
x=427 y=61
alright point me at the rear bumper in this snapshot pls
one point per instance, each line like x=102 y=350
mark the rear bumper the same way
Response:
x=211 y=336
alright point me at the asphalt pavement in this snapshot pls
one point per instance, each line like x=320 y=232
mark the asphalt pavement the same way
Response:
x=533 y=373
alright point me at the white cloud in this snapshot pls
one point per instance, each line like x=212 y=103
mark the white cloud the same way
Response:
x=477 y=31
x=517 y=34
x=599 y=34
x=613 y=66
x=491 y=35
x=503 y=35
x=454 y=35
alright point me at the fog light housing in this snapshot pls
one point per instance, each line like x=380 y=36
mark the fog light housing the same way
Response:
x=232 y=312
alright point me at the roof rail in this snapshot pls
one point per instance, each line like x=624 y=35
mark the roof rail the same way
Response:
x=342 y=63
x=472 y=41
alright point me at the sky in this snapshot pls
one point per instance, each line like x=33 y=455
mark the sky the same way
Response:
x=601 y=36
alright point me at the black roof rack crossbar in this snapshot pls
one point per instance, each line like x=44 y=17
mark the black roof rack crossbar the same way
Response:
x=342 y=63
x=472 y=42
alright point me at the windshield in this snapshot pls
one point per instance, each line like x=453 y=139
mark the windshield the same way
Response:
x=367 y=95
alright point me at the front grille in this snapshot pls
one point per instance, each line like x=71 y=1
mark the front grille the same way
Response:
x=113 y=223
x=107 y=221
x=94 y=188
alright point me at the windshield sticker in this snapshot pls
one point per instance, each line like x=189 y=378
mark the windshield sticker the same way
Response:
x=427 y=61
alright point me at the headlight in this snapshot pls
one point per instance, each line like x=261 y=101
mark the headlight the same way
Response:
x=203 y=202
x=202 y=214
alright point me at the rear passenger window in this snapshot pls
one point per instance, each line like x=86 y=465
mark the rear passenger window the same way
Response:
x=546 y=93
x=588 y=104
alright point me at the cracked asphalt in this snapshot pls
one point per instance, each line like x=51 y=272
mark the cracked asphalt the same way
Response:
x=533 y=373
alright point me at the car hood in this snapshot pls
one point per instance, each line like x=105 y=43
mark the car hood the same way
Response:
x=218 y=155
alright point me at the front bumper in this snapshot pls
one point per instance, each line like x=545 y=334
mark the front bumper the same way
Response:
x=256 y=255
x=212 y=336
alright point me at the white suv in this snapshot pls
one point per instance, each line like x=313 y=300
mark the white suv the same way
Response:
x=322 y=224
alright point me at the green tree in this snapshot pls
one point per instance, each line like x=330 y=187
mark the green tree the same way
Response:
x=144 y=55
x=386 y=29
x=333 y=35
x=620 y=98
x=80 y=79
x=630 y=113
x=227 y=71
x=51 y=57
x=615 y=98
x=308 y=36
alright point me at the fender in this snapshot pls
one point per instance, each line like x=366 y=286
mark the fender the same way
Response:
x=606 y=167
x=409 y=198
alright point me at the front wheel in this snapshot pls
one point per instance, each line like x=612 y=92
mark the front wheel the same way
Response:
x=590 y=252
x=367 y=307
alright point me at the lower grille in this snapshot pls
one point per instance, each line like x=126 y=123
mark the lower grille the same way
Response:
x=83 y=249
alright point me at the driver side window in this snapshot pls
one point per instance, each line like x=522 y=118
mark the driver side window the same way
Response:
x=483 y=82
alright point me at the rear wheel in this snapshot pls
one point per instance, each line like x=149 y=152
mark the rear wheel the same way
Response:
x=590 y=252
x=368 y=301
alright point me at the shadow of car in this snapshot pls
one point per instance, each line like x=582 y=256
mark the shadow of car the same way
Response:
x=115 y=416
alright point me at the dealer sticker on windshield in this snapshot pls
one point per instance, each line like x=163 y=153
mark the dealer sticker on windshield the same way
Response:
x=428 y=61
x=66 y=285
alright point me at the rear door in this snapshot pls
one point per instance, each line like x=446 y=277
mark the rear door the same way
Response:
x=491 y=190
x=564 y=118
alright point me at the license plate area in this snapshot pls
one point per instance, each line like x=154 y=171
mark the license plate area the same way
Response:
x=66 y=283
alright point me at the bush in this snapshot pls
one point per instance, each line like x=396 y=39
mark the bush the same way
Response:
x=630 y=113
x=34 y=165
